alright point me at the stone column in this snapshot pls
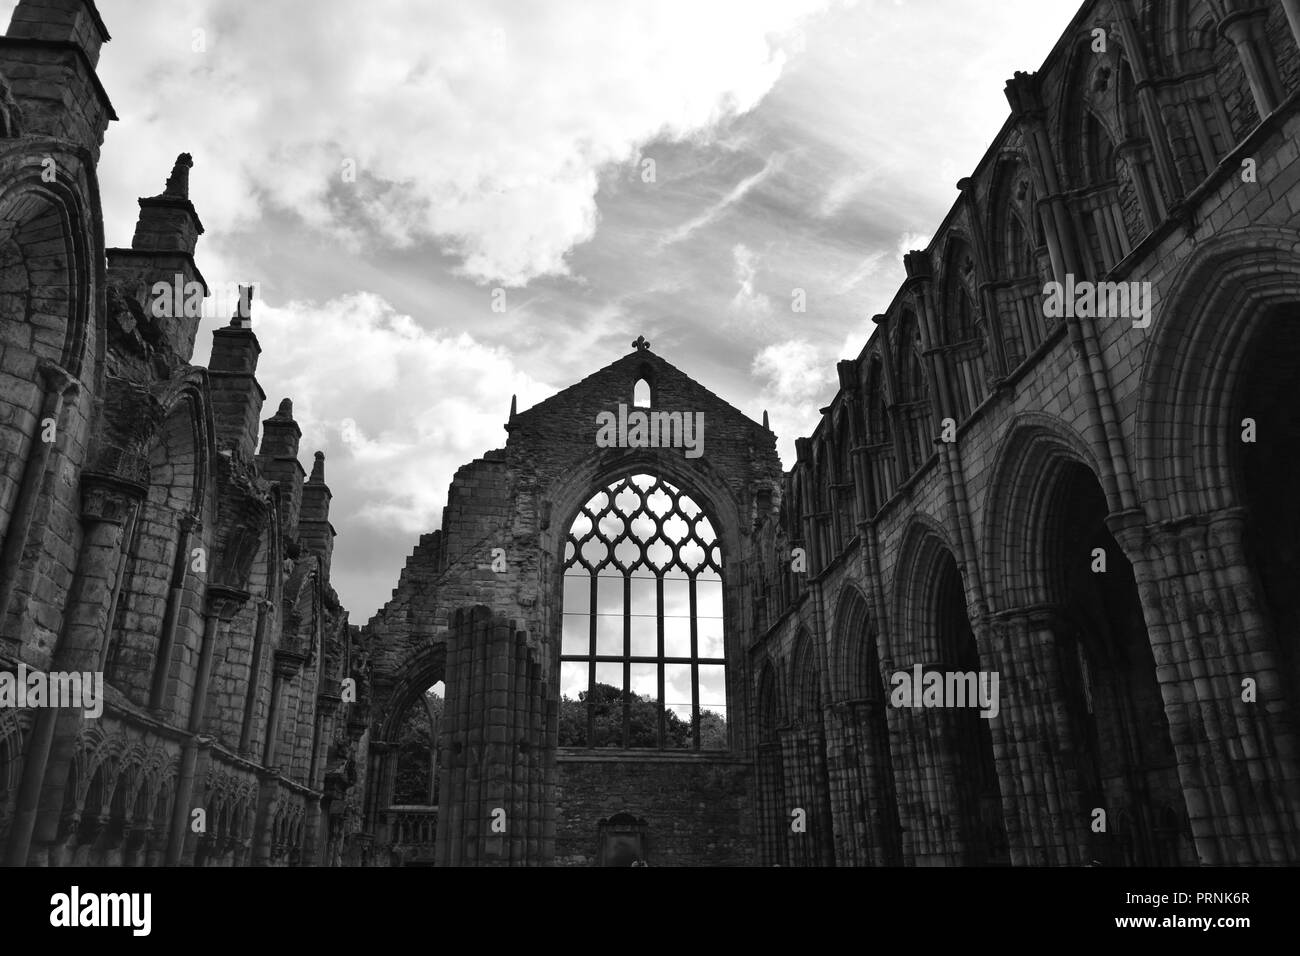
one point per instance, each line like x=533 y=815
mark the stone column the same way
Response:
x=1237 y=760
x=58 y=386
x=268 y=794
x=1245 y=29
x=105 y=503
x=1036 y=747
x=171 y=615
x=287 y=664
x=863 y=802
x=264 y=612
x=497 y=779
x=1292 y=8
x=222 y=605
x=1027 y=107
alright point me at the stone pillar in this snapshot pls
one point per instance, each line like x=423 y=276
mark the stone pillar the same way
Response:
x=171 y=615
x=58 y=386
x=770 y=800
x=222 y=604
x=287 y=665
x=1036 y=748
x=803 y=762
x=311 y=839
x=1237 y=760
x=1245 y=29
x=927 y=791
x=106 y=503
x=1027 y=108
x=1292 y=8
x=268 y=794
x=264 y=612
x=863 y=802
x=497 y=779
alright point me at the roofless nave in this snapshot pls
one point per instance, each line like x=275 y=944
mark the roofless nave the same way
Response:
x=647 y=586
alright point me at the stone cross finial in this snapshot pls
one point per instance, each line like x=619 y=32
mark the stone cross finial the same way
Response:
x=641 y=344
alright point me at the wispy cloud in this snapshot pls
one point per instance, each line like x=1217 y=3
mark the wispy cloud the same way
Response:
x=496 y=146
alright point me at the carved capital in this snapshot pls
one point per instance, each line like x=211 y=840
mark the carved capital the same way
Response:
x=288 y=663
x=106 y=498
x=224 y=602
x=57 y=379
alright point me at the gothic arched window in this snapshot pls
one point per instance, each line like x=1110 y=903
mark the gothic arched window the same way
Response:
x=641 y=394
x=642 y=656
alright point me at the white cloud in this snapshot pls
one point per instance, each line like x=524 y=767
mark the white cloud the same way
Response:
x=797 y=380
x=396 y=407
x=482 y=124
x=747 y=300
x=733 y=196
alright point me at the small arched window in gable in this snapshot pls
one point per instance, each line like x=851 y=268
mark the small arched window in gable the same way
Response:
x=641 y=394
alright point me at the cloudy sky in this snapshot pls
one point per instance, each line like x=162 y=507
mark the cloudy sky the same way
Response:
x=610 y=167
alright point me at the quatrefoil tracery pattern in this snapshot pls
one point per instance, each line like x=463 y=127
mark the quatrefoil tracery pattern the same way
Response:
x=645 y=524
x=643 y=569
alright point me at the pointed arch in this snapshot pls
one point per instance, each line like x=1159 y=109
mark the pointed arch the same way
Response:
x=854 y=673
x=925 y=544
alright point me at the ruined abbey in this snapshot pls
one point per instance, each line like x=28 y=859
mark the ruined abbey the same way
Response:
x=1026 y=597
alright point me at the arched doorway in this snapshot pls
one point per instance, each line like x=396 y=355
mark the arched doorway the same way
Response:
x=1266 y=459
x=1127 y=763
x=406 y=766
x=973 y=772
